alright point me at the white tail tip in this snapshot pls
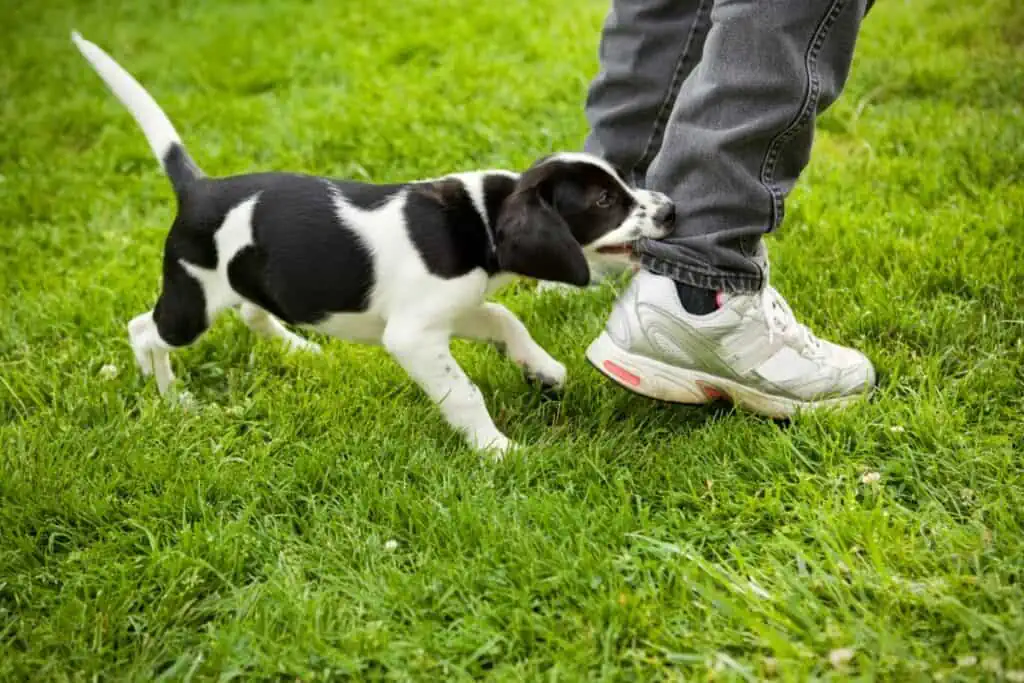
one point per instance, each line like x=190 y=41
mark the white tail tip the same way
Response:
x=147 y=113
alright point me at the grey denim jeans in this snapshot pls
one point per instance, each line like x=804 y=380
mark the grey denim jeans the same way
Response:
x=713 y=102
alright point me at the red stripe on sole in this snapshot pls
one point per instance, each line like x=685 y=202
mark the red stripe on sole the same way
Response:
x=713 y=393
x=622 y=373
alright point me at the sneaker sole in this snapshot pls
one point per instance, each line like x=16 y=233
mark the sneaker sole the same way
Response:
x=663 y=382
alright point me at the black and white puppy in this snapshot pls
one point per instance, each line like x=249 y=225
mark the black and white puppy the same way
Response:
x=405 y=265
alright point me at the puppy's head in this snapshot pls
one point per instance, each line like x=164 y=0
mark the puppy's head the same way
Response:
x=570 y=207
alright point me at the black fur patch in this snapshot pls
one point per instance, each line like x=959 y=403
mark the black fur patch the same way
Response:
x=365 y=196
x=180 y=312
x=447 y=230
x=311 y=265
x=304 y=264
x=572 y=187
x=180 y=168
x=247 y=274
x=497 y=188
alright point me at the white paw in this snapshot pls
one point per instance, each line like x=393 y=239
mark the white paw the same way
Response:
x=301 y=345
x=141 y=328
x=182 y=399
x=561 y=287
x=547 y=371
x=494 y=444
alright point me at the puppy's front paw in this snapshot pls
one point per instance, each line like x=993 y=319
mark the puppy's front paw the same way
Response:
x=550 y=375
x=301 y=345
x=494 y=444
x=560 y=287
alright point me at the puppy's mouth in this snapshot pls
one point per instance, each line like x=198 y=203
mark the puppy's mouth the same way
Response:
x=616 y=250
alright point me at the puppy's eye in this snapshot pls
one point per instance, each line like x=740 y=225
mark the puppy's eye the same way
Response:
x=604 y=200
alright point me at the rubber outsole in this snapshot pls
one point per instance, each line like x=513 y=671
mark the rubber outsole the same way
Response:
x=663 y=382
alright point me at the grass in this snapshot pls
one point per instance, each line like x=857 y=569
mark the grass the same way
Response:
x=315 y=518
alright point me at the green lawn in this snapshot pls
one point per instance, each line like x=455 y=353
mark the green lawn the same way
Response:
x=315 y=518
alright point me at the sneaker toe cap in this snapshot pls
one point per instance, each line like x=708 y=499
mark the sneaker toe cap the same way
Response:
x=856 y=372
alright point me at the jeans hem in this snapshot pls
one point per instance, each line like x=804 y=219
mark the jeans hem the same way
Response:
x=706 y=277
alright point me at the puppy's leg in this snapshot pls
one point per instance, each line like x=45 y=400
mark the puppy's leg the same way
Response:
x=151 y=351
x=423 y=351
x=269 y=327
x=494 y=323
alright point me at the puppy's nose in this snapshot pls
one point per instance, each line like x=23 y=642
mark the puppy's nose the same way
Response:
x=665 y=214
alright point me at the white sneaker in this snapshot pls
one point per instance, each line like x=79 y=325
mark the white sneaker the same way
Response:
x=751 y=351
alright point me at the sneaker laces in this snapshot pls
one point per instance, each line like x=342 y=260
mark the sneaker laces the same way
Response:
x=780 y=318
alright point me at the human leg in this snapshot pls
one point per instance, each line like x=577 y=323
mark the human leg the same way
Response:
x=737 y=138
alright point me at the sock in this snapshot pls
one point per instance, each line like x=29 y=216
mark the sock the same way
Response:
x=697 y=301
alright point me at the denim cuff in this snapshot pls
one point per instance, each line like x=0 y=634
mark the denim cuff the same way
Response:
x=706 y=277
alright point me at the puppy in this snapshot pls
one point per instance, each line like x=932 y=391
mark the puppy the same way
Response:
x=406 y=265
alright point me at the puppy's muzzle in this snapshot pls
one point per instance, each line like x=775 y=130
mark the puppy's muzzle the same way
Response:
x=663 y=215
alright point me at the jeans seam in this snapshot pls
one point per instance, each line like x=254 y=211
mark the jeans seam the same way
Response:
x=807 y=107
x=665 y=110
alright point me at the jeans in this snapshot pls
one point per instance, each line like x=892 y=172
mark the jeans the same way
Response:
x=713 y=102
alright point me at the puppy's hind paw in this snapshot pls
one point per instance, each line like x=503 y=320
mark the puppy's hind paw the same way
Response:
x=183 y=400
x=144 y=360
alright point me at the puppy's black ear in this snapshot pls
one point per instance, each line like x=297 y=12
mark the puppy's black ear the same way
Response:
x=533 y=240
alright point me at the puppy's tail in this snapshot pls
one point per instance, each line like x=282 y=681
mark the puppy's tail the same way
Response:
x=159 y=132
